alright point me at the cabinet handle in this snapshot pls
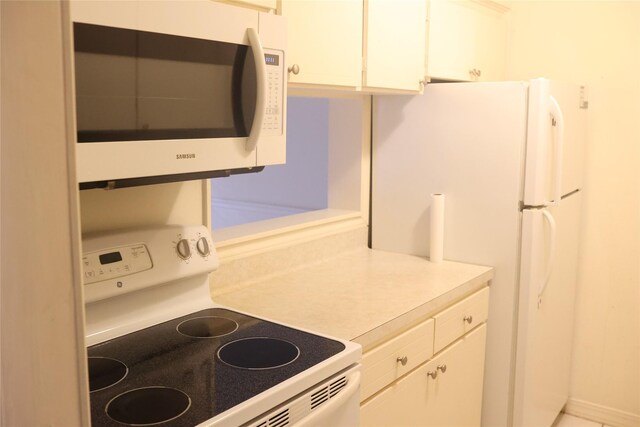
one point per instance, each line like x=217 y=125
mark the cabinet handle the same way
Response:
x=433 y=374
x=442 y=368
x=468 y=319
x=295 y=69
x=402 y=360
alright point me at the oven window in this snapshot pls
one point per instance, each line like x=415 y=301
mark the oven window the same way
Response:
x=136 y=85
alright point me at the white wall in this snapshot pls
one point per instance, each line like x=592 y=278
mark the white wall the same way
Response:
x=349 y=149
x=598 y=43
x=43 y=379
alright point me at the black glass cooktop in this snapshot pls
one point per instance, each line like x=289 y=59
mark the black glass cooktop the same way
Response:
x=190 y=369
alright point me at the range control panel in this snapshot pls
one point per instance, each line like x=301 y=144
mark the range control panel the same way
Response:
x=116 y=262
x=129 y=260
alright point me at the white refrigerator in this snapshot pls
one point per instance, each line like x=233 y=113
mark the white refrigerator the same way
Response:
x=508 y=156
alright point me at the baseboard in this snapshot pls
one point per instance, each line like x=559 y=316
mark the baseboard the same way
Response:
x=602 y=414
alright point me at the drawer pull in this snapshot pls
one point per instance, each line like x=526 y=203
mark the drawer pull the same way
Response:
x=433 y=374
x=442 y=368
x=402 y=360
x=468 y=319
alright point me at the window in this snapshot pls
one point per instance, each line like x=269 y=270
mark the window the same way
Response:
x=326 y=174
x=298 y=186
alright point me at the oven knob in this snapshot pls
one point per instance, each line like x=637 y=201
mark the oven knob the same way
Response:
x=203 y=247
x=183 y=249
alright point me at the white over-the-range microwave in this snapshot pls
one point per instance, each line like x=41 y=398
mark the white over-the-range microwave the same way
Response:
x=176 y=90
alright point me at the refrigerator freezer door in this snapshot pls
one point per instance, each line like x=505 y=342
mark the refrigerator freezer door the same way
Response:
x=555 y=142
x=545 y=320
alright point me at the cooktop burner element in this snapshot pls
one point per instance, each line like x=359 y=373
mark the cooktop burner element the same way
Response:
x=163 y=357
x=105 y=372
x=148 y=406
x=207 y=327
x=258 y=353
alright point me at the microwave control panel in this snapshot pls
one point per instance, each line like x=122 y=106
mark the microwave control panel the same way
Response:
x=273 y=117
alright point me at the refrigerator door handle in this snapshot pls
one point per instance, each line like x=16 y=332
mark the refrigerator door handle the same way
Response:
x=551 y=251
x=557 y=120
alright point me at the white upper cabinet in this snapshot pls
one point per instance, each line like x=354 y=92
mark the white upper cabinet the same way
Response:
x=467 y=40
x=329 y=47
x=324 y=42
x=395 y=44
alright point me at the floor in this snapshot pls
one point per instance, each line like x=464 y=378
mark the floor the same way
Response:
x=565 y=420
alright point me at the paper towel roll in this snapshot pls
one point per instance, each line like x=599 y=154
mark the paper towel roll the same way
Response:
x=436 y=235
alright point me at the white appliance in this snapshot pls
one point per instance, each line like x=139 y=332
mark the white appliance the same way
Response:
x=160 y=352
x=176 y=90
x=508 y=157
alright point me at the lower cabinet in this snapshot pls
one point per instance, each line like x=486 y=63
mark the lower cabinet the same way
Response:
x=446 y=390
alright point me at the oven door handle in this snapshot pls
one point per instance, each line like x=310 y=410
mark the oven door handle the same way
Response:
x=324 y=411
x=261 y=89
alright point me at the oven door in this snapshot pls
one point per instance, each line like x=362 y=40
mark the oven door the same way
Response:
x=169 y=92
x=342 y=410
x=335 y=402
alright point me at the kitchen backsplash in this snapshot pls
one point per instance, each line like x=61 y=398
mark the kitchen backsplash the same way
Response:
x=243 y=272
x=175 y=203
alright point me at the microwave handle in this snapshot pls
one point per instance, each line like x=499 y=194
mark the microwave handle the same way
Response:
x=261 y=92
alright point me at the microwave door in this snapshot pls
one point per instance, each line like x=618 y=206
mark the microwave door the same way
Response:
x=135 y=85
x=155 y=104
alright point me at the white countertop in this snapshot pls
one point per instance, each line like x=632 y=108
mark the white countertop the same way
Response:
x=362 y=295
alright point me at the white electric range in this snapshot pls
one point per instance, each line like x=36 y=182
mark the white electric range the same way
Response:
x=160 y=352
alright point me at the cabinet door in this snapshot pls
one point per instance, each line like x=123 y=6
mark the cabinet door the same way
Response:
x=395 y=44
x=466 y=36
x=453 y=398
x=491 y=43
x=324 y=41
x=402 y=404
x=451 y=44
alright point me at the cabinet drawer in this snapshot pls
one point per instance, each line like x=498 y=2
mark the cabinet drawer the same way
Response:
x=381 y=366
x=460 y=318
